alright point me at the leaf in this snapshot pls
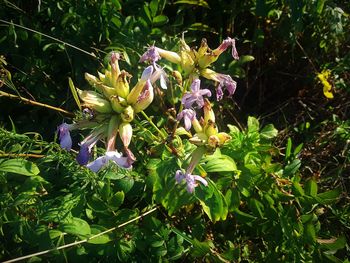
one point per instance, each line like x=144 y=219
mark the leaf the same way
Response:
x=102 y=239
x=19 y=166
x=125 y=184
x=212 y=200
x=76 y=226
x=223 y=163
x=193 y=2
x=243 y=217
x=333 y=243
x=200 y=249
x=253 y=124
x=160 y=20
x=74 y=92
x=292 y=168
x=311 y=187
x=329 y=197
x=288 y=148
x=116 y=200
x=268 y=132
x=202 y=27
x=310 y=232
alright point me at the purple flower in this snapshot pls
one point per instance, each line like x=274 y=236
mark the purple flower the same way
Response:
x=228 y=82
x=188 y=115
x=151 y=55
x=225 y=44
x=84 y=154
x=190 y=180
x=64 y=136
x=196 y=95
x=102 y=161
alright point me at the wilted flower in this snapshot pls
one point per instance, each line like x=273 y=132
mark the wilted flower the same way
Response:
x=102 y=161
x=196 y=95
x=223 y=80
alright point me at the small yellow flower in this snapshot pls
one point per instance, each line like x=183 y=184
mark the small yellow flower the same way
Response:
x=327 y=87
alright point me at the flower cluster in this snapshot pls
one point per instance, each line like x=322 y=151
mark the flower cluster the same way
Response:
x=111 y=108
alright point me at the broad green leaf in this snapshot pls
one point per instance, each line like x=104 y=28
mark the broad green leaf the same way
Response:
x=160 y=20
x=102 y=239
x=223 y=163
x=288 y=148
x=200 y=249
x=19 y=166
x=268 y=132
x=125 y=184
x=297 y=189
x=212 y=200
x=116 y=200
x=253 y=124
x=76 y=226
x=74 y=92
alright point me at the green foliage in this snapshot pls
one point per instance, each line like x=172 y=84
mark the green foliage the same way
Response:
x=262 y=203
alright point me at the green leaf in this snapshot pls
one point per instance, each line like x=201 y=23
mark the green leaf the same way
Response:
x=125 y=184
x=288 y=148
x=253 y=124
x=329 y=197
x=74 y=92
x=268 y=132
x=160 y=20
x=310 y=233
x=19 y=166
x=223 y=163
x=102 y=239
x=243 y=217
x=292 y=168
x=333 y=244
x=212 y=200
x=116 y=200
x=193 y=2
x=311 y=187
x=76 y=226
x=320 y=5
x=200 y=249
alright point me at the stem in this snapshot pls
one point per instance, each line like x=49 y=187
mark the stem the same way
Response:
x=152 y=124
x=30 y=155
x=32 y=102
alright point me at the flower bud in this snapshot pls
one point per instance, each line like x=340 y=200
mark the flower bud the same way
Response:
x=145 y=98
x=178 y=77
x=101 y=76
x=95 y=101
x=208 y=112
x=125 y=133
x=211 y=128
x=187 y=61
x=122 y=85
x=116 y=104
x=115 y=66
x=169 y=55
x=128 y=114
x=196 y=125
x=203 y=48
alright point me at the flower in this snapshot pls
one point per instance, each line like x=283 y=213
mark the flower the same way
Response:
x=102 y=161
x=84 y=154
x=151 y=55
x=196 y=95
x=224 y=81
x=64 y=136
x=190 y=180
x=188 y=115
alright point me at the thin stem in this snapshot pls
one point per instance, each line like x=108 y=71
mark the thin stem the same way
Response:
x=32 y=102
x=30 y=155
x=81 y=241
x=152 y=124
